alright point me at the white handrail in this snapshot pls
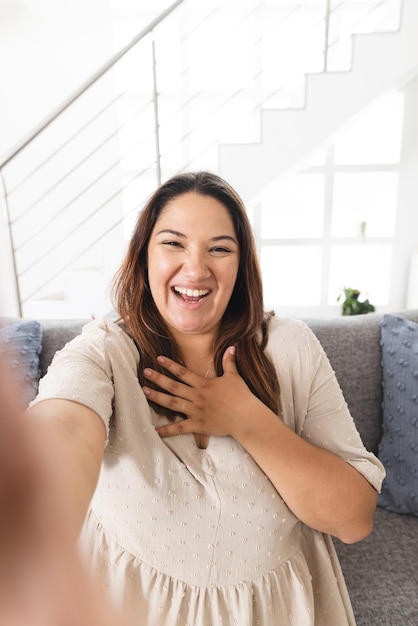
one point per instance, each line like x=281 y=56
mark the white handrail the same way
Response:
x=8 y=156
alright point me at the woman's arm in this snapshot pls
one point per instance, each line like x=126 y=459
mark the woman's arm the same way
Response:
x=42 y=579
x=74 y=435
x=320 y=488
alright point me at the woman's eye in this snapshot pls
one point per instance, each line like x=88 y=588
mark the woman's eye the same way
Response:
x=221 y=250
x=174 y=244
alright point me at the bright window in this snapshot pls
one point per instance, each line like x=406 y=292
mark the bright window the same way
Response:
x=291 y=275
x=332 y=224
x=375 y=137
x=363 y=267
x=294 y=207
x=364 y=203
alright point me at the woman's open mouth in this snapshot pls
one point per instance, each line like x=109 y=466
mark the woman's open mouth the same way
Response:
x=190 y=295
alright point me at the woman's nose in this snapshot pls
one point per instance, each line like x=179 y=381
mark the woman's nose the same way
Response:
x=195 y=266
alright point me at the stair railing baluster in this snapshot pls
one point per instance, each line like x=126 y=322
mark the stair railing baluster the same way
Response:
x=10 y=251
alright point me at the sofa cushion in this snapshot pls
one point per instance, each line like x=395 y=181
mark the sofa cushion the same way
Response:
x=56 y=333
x=381 y=572
x=398 y=449
x=352 y=346
x=20 y=347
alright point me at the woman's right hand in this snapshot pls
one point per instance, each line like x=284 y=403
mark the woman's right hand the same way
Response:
x=42 y=580
x=216 y=406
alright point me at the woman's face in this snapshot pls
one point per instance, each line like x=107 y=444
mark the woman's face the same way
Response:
x=193 y=259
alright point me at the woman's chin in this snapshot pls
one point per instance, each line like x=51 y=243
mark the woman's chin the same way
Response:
x=191 y=327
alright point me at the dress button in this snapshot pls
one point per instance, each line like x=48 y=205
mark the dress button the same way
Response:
x=208 y=466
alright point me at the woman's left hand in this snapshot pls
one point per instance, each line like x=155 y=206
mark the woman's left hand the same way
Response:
x=214 y=406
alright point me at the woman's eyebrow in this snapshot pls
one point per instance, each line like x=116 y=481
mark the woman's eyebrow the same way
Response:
x=221 y=237
x=170 y=232
x=176 y=233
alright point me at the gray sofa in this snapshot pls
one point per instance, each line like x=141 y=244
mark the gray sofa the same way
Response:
x=382 y=570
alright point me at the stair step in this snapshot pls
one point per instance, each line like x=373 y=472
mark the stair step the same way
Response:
x=381 y=62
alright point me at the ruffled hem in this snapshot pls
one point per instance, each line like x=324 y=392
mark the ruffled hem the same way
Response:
x=288 y=595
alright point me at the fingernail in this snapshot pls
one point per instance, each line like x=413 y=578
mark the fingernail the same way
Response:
x=147 y=372
x=232 y=350
x=146 y=390
x=160 y=359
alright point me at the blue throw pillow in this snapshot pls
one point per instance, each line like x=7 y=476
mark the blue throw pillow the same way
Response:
x=398 y=449
x=20 y=347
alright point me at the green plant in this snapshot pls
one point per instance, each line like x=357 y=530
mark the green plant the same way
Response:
x=352 y=305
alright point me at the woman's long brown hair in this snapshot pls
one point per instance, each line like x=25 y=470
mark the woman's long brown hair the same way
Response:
x=244 y=323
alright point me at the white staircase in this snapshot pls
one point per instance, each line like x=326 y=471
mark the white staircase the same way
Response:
x=381 y=62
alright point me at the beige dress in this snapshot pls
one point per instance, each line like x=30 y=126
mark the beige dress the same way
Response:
x=203 y=535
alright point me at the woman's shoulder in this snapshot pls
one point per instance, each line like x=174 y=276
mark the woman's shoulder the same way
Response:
x=103 y=327
x=287 y=328
x=103 y=336
x=291 y=335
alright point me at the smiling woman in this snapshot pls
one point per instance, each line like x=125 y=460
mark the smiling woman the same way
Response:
x=194 y=233
x=192 y=274
x=224 y=430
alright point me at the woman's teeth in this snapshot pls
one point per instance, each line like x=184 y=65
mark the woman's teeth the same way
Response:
x=191 y=293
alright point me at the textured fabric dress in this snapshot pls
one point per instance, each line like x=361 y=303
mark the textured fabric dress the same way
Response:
x=202 y=535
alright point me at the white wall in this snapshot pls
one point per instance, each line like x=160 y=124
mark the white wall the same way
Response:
x=49 y=47
x=406 y=237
